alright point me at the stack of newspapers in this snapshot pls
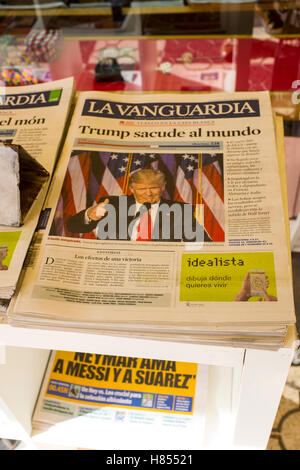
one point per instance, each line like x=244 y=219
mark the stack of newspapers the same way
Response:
x=166 y=220
x=97 y=401
x=28 y=154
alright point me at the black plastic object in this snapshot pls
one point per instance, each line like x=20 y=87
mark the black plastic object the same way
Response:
x=108 y=70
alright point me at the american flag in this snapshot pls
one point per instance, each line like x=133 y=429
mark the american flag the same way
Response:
x=74 y=193
x=79 y=191
x=199 y=180
x=213 y=199
x=119 y=167
x=190 y=178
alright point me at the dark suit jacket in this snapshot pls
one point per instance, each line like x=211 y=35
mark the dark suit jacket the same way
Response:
x=166 y=217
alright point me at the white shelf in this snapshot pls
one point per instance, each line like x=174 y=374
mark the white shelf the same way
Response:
x=120 y=346
x=26 y=356
x=245 y=385
x=20 y=380
x=217 y=433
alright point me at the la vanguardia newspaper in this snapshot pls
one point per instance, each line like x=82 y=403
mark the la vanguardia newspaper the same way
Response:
x=165 y=211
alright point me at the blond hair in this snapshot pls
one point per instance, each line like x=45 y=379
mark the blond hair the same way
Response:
x=146 y=175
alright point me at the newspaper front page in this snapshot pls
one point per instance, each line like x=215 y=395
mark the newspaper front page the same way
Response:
x=205 y=168
x=35 y=118
x=102 y=401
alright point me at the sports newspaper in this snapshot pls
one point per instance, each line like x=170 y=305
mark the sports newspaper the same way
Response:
x=113 y=398
x=228 y=263
x=33 y=117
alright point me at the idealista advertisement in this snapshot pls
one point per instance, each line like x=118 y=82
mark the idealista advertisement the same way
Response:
x=227 y=277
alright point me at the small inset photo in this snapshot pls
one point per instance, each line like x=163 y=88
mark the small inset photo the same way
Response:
x=147 y=400
x=74 y=391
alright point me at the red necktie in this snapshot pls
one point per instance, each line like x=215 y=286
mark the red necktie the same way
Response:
x=144 y=228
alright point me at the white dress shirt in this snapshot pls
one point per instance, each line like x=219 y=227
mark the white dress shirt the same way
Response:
x=153 y=214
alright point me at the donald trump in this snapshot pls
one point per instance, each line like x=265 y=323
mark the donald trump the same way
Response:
x=143 y=216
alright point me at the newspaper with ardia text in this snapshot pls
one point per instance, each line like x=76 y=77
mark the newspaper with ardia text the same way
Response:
x=30 y=116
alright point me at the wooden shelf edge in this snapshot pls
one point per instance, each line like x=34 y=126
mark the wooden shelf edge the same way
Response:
x=201 y=7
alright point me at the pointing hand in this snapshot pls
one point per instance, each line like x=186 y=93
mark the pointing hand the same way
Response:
x=98 y=211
